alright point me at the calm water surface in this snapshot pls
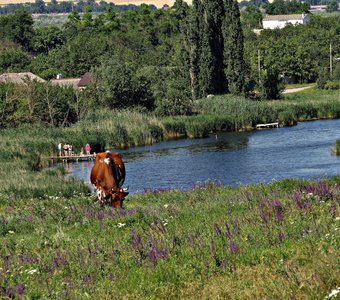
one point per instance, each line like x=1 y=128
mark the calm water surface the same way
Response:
x=302 y=151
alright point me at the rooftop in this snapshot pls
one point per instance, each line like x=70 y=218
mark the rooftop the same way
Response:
x=284 y=17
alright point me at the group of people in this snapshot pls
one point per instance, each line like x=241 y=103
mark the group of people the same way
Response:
x=67 y=150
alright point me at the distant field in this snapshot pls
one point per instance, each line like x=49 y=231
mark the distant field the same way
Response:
x=157 y=3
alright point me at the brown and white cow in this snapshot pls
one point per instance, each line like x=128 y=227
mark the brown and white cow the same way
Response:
x=108 y=176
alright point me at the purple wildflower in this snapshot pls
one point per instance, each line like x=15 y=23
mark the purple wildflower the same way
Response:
x=333 y=210
x=278 y=208
x=20 y=289
x=136 y=240
x=100 y=216
x=233 y=247
x=217 y=230
x=191 y=239
x=281 y=236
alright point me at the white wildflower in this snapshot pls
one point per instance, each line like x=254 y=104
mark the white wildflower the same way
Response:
x=333 y=293
x=11 y=231
x=120 y=225
x=166 y=205
x=31 y=272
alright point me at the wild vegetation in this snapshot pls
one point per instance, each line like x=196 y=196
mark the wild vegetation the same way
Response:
x=336 y=149
x=276 y=241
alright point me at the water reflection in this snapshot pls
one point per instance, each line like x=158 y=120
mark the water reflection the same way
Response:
x=302 y=151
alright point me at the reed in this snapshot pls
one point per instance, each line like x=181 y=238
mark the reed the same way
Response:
x=336 y=149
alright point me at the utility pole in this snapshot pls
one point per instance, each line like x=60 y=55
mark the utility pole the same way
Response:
x=259 y=64
x=330 y=60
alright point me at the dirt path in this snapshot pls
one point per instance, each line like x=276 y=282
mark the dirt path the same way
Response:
x=294 y=90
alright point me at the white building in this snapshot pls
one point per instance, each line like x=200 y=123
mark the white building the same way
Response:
x=280 y=21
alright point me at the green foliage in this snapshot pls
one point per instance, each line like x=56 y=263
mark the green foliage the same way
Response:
x=40 y=103
x=212 y=31
x=332 y=85
x=280 y=7
x=116 y=85
x=13 y=58
x=235 y=68
x=332 y=6
x=337 y=147
x=236 y=112
x=271 y=85
x=46 y=39
x=17 y=27
x=251 y=17
x=298 y=53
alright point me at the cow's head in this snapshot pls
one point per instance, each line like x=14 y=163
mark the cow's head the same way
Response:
x=117 y=197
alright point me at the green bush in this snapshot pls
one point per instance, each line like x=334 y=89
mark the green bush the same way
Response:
x=332 y=85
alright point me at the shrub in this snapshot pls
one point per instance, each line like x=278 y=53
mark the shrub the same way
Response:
x=332 y=85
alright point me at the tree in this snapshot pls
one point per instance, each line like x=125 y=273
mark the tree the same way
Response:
x=251 y=17
x=87 y=20
x=115 y=84
x=281 y=7
x=333 y=6
x=47 y=38
x=213 y=47
x=39 y=7
x=17 y=27
x=271 y=85
x=13 y=58
x=214 y=42
x=169 y=89
x=233 y=47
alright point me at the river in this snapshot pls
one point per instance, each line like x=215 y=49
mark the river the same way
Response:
x=302 y=151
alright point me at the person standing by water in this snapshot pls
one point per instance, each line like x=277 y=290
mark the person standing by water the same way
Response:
x=59 y=149
x=87 y=149
x=65 y=147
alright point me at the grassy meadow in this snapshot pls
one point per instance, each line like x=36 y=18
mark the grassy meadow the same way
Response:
x=277 y=241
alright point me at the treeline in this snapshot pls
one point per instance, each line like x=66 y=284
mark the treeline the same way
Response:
x=41 y=7
x=282 y=7
x=156 y=61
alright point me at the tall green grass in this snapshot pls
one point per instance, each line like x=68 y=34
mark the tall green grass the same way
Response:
x=336 y=149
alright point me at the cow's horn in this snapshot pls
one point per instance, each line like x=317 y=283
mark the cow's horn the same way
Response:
x=125 y=189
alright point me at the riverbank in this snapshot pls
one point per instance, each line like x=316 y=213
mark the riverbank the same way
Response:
x=107 y=129
x=21 y=150
x=262 y=241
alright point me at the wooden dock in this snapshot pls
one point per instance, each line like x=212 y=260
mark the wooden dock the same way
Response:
x=72 y=158
x=268 y=125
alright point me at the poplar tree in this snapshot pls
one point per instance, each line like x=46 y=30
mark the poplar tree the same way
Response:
x=213 y=17
x=233 y=47
x=214 y=41
x=194 y=46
